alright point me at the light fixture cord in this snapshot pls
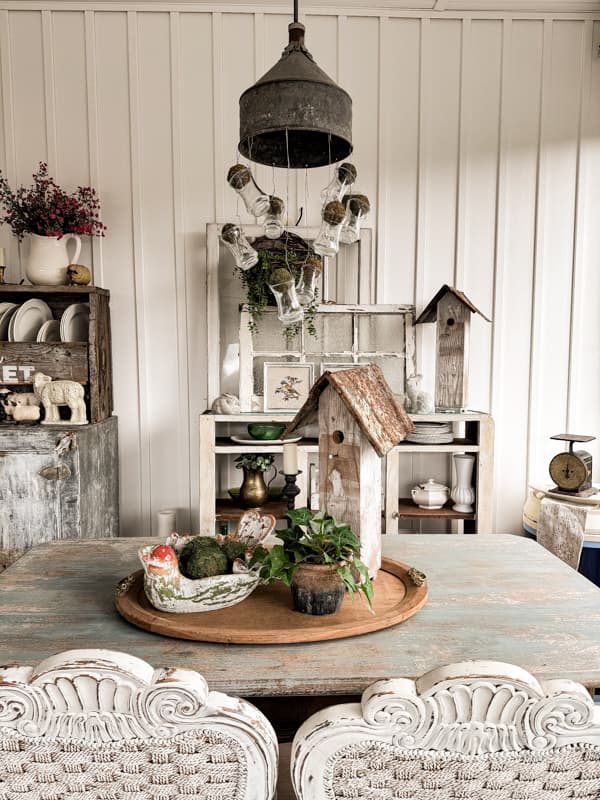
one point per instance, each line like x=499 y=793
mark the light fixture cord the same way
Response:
x=295 y=10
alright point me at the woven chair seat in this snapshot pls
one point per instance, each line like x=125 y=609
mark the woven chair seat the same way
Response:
x=378 y=771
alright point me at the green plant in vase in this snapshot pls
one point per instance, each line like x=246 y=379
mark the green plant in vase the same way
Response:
x=254 y=492
x=319 y=560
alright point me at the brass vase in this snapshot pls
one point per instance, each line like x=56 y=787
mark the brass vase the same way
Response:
x=253 y=491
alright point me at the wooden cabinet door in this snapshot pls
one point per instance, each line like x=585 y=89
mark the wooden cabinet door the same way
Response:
x=39 y=500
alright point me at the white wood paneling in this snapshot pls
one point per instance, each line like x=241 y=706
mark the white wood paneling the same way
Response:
x=477 y=139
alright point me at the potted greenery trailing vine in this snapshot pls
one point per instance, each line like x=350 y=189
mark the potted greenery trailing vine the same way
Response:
x=289 y=252
x=319 y=560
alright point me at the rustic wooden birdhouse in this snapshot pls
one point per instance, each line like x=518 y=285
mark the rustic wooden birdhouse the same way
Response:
x=452 y=310
x=359 y=420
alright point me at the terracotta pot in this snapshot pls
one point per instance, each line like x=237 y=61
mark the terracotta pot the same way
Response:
x=317 y=589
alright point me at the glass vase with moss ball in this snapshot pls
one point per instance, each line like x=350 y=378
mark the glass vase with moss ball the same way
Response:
x=273 y=223
x=233 y=238
x=357 y=208
x=283 y=288
x=310 y=273
x=327 y=242
x=256 y=201
x=343 y=177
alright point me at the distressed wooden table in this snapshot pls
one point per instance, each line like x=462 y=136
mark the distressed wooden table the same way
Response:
x=501 y=598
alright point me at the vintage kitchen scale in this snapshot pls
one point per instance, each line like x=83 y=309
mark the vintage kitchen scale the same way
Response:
x=572 y=470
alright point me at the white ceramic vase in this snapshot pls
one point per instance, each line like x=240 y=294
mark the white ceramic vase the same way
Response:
x=48 y=258
x=462 y=492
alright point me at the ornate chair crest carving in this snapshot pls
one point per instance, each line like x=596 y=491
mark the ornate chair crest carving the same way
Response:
x=478 y=729
x=94 y=723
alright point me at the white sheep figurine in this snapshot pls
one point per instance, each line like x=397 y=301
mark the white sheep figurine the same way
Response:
x=53 y=394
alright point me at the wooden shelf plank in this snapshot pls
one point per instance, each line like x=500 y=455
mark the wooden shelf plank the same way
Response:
x=407 y=509
x=229 y=511
x=225 y=445
x=456 y=446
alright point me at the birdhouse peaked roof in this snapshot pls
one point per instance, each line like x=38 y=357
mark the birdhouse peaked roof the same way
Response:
x=429 y=313
x=369 y=399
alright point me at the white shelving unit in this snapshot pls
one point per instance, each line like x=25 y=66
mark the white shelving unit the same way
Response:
x=474 y=433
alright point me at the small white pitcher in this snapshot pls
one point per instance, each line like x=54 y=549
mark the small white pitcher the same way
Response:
x=48 y=258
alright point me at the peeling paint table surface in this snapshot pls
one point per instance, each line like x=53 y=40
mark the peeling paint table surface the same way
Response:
x=499 y=598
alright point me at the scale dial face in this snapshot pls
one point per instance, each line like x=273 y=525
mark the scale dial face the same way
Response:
x=568 y=471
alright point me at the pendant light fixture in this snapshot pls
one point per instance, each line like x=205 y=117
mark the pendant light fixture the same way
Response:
x=295 y=116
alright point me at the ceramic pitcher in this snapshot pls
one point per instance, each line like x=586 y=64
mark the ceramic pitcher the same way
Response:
x=49 y=258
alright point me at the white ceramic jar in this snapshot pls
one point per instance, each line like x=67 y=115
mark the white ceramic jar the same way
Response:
x=430 y=494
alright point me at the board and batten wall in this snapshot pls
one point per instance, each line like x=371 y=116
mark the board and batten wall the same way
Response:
x=477 y=138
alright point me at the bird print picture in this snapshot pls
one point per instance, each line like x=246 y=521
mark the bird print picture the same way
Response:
x=286 y=385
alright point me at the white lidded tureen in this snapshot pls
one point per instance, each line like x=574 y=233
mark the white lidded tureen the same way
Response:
x=430 y=494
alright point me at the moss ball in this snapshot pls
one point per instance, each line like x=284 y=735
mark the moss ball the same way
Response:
x=280 y=275
x=202 y=557
x=233 y=549
x=238 y=176
x=334 y=212
x=347 y=172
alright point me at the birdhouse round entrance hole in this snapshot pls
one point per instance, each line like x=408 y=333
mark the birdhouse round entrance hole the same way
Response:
x=338 y=437
x=450 y=322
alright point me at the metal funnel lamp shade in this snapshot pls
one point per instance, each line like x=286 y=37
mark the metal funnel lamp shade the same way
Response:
x=295 y=116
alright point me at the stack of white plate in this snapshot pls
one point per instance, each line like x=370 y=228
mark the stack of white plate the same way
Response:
x=431 y=433
x=33 y=322
x=6 y=312
x=74 y=323
x=22 y=323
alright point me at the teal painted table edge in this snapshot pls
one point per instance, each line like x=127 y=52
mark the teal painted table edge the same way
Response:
x=499 y=598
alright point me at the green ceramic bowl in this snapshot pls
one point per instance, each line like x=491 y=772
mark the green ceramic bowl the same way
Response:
x=267 y=431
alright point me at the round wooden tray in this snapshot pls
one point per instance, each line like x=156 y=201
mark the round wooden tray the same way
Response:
x=267 y=616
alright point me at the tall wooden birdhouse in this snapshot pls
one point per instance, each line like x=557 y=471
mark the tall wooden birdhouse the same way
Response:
x=359 y=420
x=452 y=310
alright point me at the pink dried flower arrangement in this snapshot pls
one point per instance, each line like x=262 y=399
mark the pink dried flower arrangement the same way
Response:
x=44 y=208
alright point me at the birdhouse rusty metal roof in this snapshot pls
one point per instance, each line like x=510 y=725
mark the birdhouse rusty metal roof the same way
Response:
x=369 y=399
x=429 y=313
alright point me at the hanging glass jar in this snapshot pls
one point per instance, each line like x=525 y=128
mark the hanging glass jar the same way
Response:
x=274 y=219
x=281 y=284
x=256 y=201
x=310 y=273
x=328 y=241
x=357 y=208
x=233 y=238
x=343 y=177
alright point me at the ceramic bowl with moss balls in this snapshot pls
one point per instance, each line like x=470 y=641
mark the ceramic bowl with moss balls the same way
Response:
x=167 y=588
x=267 y=431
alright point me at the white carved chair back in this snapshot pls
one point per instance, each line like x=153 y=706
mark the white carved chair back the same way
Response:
x=481 y=730
x=101 y=725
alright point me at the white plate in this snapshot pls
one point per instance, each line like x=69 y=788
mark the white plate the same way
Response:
x=27 y=321
x=6 y=315
x=242 y=440
x=49 y=332
x=74 y=323
x=440 y=438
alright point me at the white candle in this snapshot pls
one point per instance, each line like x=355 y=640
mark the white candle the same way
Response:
x=167 y=522
x=2 y=257
x=290 y=459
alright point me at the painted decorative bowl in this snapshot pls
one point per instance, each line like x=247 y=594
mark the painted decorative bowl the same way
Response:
x=266 y=430
x=167 y=589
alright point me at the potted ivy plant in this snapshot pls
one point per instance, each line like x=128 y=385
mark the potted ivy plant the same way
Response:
x=319 y=560
x=254 y=491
